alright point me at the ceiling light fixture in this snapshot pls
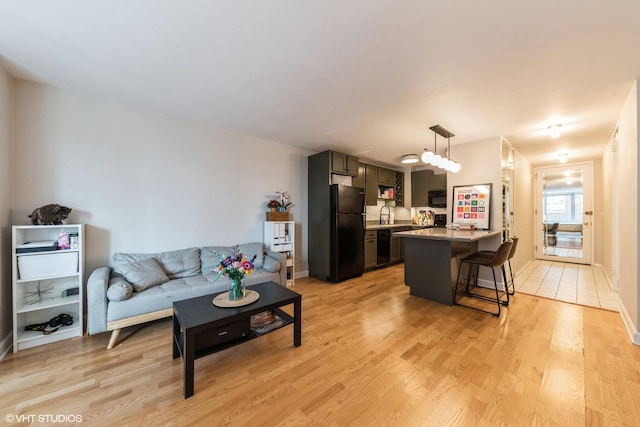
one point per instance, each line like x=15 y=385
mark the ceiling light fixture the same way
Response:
x=554 y=131
x=562 y=158
x=410 y=158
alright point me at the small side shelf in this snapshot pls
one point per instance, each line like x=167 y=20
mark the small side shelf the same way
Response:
x=55 y=276
x=49 y=303
x=29 y=339
x=41 y=280
x=279 y=236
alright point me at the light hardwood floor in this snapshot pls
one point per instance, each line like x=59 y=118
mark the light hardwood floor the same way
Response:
x=370 y=355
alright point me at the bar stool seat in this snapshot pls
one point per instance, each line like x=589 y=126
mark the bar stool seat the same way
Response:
x=491 y=261
x=511 y=291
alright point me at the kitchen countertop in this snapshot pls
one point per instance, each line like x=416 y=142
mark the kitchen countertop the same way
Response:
x=446 y=234
x=392 y=226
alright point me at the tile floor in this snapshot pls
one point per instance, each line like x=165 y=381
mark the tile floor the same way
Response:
x=575 y=283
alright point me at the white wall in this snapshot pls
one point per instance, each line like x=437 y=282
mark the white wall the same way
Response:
x=606 y=214
x=481 y=164
x=627 y=212
x=5 y=211
x=146 y=182
x=523 y=211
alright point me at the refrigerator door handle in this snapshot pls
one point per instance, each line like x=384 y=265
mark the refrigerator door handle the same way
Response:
x=364 y=220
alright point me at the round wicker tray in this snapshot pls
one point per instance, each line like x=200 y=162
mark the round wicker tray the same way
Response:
x=222 y=300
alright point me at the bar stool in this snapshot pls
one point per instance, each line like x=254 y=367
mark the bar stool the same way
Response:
x=492 y=261
x=511 y=254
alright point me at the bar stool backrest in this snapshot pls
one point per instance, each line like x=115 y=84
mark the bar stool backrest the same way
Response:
x=502 y=254
x=513 y=248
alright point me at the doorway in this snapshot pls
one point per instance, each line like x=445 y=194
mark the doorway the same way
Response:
x=564 y=213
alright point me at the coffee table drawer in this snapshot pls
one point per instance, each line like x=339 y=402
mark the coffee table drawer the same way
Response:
x=223 y=334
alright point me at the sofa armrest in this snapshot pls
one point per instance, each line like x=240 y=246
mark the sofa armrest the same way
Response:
x=97 y=302
x=282 y=259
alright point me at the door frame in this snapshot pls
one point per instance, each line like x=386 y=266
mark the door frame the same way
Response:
x=588 y=220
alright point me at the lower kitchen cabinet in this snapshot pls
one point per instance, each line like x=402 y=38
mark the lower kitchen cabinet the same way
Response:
x=397 y=246
x=396 y=250
x=370 y=249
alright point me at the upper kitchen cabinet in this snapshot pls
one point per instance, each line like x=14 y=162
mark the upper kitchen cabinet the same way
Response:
x=438 y=182
x=420 y=187
x=386 y=177
x=371 y=185
x=424 y=181
x=323 y=165
x=360 y=180
x=344 y=164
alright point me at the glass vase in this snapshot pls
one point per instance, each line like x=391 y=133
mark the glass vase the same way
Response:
x=236 y=290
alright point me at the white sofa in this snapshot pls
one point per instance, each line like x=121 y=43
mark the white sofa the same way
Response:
x=139 y=288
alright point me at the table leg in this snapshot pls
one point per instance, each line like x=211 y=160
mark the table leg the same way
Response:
x=188 y=362
x=175 y=338
x=297 y=323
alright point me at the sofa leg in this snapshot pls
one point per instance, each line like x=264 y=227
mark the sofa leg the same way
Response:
x=113 y=339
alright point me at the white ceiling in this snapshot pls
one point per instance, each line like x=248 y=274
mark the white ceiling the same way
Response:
x=366 y=77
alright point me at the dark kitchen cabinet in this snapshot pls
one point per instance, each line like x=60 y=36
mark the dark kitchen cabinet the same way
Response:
x=370 y=249
x=397 y=246
x=371 y=185
x=386 y=177
x=438 y=182
x=360 y=180
x=420 y=187
x=424 y=181
x=344 y=164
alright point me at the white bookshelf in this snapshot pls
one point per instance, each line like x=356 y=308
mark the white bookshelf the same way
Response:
x=279 y=236
x=56 y=271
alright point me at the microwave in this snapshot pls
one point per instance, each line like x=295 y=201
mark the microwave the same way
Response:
x=437 y=199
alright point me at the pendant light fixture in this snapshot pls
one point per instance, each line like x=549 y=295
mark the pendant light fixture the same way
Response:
x=433 y=158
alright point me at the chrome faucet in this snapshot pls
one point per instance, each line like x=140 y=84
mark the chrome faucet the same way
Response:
x=387 y=215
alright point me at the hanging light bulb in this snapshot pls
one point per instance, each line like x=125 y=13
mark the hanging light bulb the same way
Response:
x=455 y=168
x=427 y=156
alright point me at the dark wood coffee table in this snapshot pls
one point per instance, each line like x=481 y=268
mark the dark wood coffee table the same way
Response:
x=200 y=328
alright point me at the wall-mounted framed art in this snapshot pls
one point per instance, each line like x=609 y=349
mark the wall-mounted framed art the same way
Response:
x=472 y=205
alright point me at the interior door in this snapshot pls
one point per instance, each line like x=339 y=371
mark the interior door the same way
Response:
x=564 y=213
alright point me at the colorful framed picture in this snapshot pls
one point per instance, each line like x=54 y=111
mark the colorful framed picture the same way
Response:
x=472 y=205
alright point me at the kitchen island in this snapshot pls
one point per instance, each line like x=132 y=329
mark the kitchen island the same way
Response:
x=431 y=258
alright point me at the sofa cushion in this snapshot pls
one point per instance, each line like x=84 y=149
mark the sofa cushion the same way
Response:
x=176 y=264
x=209 y=261
x=119 y=289
x=143 y=274
x=162 y=296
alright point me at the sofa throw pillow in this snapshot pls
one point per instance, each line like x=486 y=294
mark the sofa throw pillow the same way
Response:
x=251 y=249
x=119 y=289
x=176 y=264
x=144 y=274
x=208 y=259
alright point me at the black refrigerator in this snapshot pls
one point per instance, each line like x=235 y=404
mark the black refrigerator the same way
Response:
x=347 y=232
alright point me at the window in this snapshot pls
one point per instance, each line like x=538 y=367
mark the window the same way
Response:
x=564 y=208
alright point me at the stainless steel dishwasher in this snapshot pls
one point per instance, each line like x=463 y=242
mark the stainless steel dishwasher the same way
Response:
x=384 y=246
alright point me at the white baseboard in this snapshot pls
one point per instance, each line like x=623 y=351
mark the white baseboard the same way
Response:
x=484 y=283
x=5 y=345
x=628 y=323
x=303 y=273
